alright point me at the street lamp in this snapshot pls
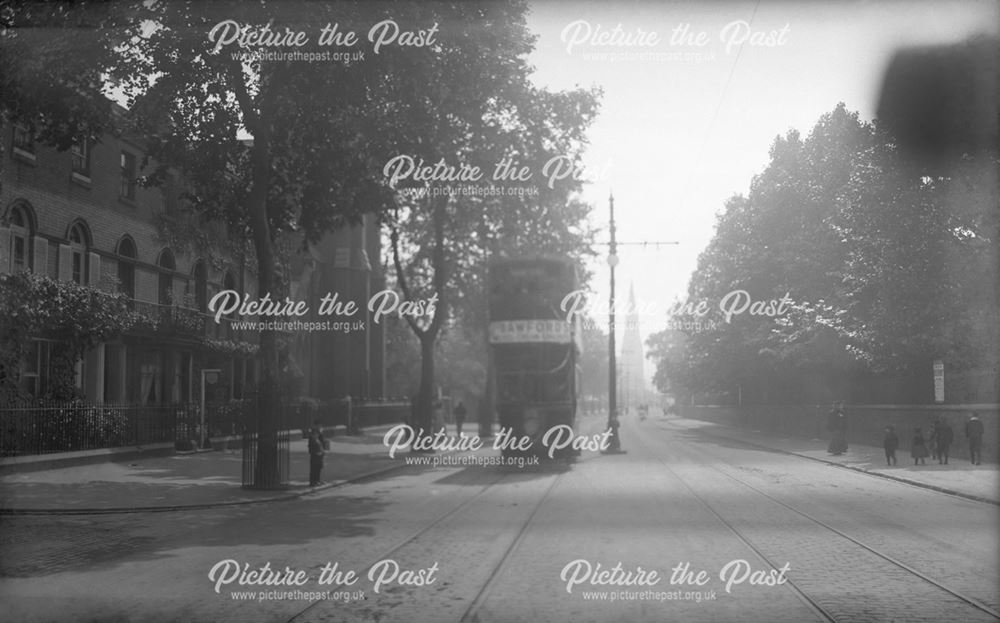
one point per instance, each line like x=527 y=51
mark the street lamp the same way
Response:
x=211 y=376
x=612 y=363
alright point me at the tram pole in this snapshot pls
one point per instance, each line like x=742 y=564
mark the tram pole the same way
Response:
x=615 y=445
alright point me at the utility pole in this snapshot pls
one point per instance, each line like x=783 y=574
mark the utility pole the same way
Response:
x=612 y=356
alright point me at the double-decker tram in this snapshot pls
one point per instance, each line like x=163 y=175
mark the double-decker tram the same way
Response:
x=534 y=348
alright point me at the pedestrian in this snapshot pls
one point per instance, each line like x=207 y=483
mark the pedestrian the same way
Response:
x=918 y=447
x=836 y=423
x=459 y=417
x=974 y=432
x=943 y=436
x=890 y=442
x=932 y=440
x=317 y=447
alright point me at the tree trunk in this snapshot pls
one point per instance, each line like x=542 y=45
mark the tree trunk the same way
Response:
x=425 y=395
x=267 y=472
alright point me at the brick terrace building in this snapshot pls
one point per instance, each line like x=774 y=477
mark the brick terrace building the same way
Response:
x=81 y=216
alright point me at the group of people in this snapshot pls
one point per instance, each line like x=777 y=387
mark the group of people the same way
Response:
x=938 y=445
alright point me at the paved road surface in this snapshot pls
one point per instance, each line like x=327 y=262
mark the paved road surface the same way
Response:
x=503 y=544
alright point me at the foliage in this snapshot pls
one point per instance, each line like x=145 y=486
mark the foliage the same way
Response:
x=276 y=147
x=231 y=347
x=888 y=268
x=74 y=316
x=66 y=426
x=51 y=68
x=402 y=364
x=187 y=233
x=442 y=241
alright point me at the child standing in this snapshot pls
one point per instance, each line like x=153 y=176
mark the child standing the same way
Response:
x=918 y=447
x=890 y=442
x=317 y=447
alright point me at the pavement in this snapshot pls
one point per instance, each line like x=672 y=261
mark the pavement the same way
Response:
x=958 y=477
x=213 y=478
x=205 y=479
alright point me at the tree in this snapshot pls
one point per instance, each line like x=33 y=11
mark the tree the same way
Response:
x=273 y=147
x=75 y=317
x=320 y=131
x=269 y=148
x=885 y=265
x=489 y=112
x=51 y=66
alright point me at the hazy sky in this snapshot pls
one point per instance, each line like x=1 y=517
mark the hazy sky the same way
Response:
x=681 y=132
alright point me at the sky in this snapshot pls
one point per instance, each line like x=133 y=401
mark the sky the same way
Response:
x=689 y=125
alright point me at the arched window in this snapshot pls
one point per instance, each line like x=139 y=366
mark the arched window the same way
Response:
x=165 y=291
x=229 y=283
x=200 y=274
x=78 y=245
x=126 y=266
x=20 y=239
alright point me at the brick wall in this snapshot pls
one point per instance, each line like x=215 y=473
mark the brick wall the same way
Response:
x=57 y=198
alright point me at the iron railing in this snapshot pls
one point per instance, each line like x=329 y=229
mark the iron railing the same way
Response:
x=266 y=459
x=27 y=429
x=31 y=428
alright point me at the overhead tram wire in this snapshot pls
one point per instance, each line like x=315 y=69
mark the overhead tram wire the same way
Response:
x=700 y=154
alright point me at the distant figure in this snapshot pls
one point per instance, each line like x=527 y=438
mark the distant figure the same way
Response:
x=317 y=447
x=932 y=440
x=974 y=432
x=918 y=447
x=459 y=417
x=836 y=423
x=943 y=436
x=890 y=442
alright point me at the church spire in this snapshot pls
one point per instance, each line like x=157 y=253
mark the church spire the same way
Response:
x=633 y=383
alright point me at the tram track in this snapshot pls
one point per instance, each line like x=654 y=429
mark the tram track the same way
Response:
x=822 y=612
x=471 y=614
x=816 y=608
x=427 y=532
x=411 y=538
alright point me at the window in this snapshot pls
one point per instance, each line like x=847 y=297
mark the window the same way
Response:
x=128 y=175
x=200 y=286
x=165 y=291
x=34 y=373
x=24 y=139
x=81 y=157
x=126 y=268
x=150 y=377
x=20 y=234
x=78 y=253
x=228 y=283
